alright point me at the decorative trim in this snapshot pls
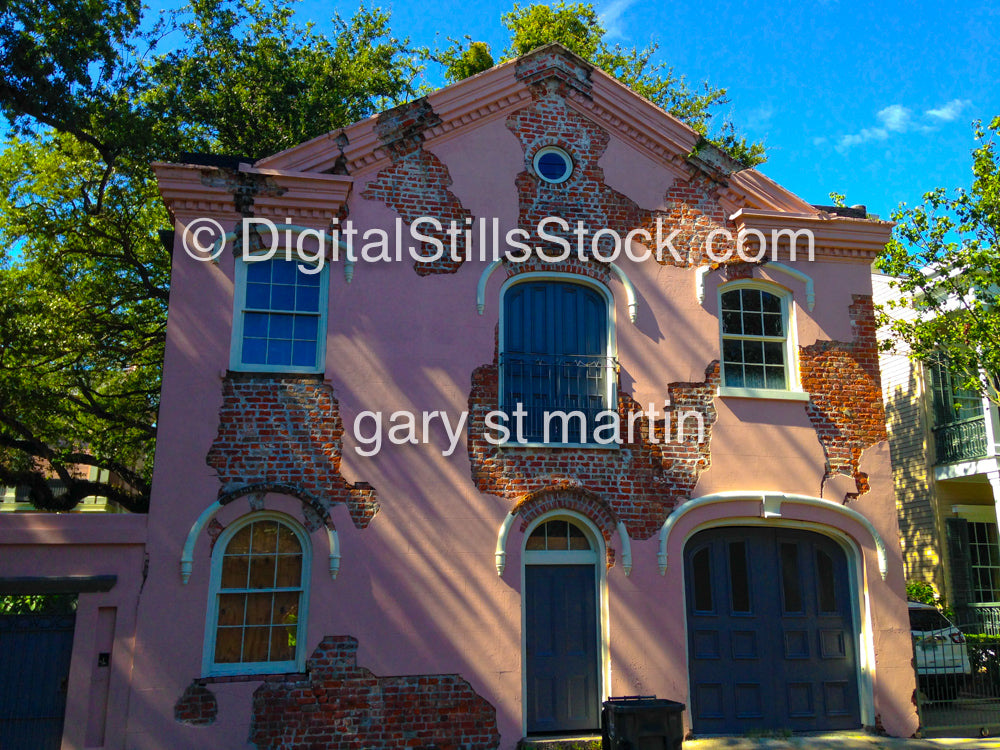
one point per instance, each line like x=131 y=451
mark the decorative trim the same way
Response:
x=481 y=287
x=626 y=548
x=770 y=507
x=501 y=551
x=187 y=553
x=629 y=291
x=799 y=275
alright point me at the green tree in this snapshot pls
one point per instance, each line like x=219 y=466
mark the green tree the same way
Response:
x=577 y=27
x=83 y=273
x=945 y=256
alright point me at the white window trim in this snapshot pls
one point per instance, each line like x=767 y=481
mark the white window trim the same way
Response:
x=794 y=390
x=570 y=164
x=239 y=306
x=298 y=664
x=610 y=348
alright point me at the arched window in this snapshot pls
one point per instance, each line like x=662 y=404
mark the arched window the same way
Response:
x=279 y=321
x=258 y=597
x=556 y=359
x=757 y=354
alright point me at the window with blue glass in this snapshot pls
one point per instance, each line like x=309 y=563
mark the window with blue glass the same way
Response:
x=280 y=323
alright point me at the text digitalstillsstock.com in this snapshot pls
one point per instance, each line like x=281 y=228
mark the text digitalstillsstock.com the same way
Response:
x=502 y=429
x=261 y=239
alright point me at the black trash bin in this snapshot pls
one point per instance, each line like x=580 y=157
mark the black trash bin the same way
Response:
x=642 y=722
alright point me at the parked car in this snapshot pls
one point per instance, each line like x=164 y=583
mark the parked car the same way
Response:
x=938 y=645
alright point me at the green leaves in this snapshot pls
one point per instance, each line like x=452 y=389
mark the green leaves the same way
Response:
x=577 y=27
x=946 y=257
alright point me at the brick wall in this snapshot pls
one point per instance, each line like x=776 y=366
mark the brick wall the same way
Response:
x=340 y=706
x=845 y=394
x=197 y=707
x=280 y=433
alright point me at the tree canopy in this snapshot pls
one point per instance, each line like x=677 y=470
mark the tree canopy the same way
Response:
x=946 y=259
x=93 y=96
x=578 y=27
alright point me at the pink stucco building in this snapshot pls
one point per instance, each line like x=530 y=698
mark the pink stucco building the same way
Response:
x=343 y=552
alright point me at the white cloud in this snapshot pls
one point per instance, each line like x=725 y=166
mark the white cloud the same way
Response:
x=949 y=112
x=611 y=17
x=899 y=119
x=758 y=118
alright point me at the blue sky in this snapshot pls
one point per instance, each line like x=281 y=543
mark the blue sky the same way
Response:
x=872 y=100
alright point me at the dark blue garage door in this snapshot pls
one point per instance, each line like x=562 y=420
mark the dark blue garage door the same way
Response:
x=771 y=640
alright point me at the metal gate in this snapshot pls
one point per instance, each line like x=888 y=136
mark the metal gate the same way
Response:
x=35 y=652
x=958 y=672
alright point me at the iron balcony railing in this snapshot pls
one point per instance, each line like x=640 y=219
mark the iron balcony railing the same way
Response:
x=556 y=385
x=964 y=440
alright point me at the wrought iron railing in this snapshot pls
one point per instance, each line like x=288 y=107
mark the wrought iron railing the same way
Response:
x=551 y=387
x=979 y=618
x=961 y=441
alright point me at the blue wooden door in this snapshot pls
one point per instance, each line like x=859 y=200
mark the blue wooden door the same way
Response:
x=35 y=654
x=771 y=639
x=561 y=649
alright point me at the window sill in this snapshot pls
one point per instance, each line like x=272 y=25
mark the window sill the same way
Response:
x=763 y=393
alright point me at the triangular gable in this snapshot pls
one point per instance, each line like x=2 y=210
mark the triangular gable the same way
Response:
x=504 y=89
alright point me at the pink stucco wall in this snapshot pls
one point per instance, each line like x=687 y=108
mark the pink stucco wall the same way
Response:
x=418 y=587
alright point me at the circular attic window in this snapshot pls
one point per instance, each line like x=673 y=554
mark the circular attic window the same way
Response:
x=553 y=164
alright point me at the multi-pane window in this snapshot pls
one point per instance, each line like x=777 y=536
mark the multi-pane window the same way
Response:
x=259 y=584
x=984 y=557
x=951 y=402
x=556 y=359
x=754 y=340
x=281 y=316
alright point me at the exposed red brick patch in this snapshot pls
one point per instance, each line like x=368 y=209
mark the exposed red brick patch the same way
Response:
x=641 y=482
x=416 y=184
x=845 y=394
x=340 y=706
x=565 y=496
x=197 y=707
x=277 y=430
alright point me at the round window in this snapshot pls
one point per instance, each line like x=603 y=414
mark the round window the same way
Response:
x=553 y=164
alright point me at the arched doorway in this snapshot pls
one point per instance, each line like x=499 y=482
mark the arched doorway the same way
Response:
x=562 y=632
x=771 y=637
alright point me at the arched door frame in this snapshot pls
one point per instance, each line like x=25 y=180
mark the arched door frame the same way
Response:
x=860 y=609
x=596 y=557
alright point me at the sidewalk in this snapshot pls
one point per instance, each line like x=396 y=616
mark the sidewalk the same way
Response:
x=840 y=741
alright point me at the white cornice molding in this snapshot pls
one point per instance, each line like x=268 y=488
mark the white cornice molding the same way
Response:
x=834 y=236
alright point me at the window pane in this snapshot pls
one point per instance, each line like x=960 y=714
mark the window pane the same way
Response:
x=776 y=378
x=258 y=296
x=255 y=325
x=732 y=322
x=307 y=299
x=753 y=352
x=228 y=644
x=255 y=644
x=303 y=353
x=254 y=351
x=283 y=643
x=283 y=271
x=701 y=564
x=753 y=377
x=731 y=301
x=790 y=584
x=262 y=569
x=771 y=303
x=827 y=589
x=577 y=539
x=259 y=609
x=734 y=376
x=558 y=533
x=751 y=299
x=537 y=539
x=306 y=328
x=282 y=297
x=239 y=544
x=752 y=325
x=289 y=571
x=231 y=609
x=279 y=353
x=281 y=326
x=259 y=272
x=774 y=353
x=265 y=537
x=732 y=351
x=773 y=326
x=235 y=569
x=739 y=580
